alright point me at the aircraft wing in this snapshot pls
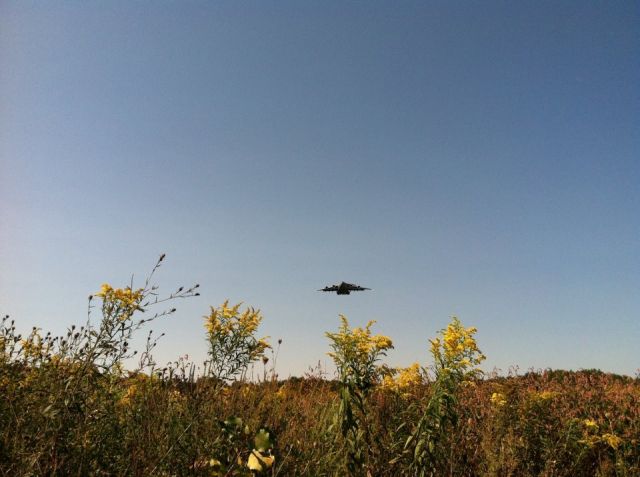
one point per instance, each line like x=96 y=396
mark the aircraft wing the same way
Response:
x=329 y=289
x=357 y=288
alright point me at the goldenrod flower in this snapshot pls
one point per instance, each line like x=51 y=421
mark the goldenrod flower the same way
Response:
x=590 y=424
x=122 y=302
x=457 y=351
x=104 y=290
x=355 y=351
x=546 y=395
x=498 y=399
x=403 y=380
x=612 y=440
x=132 y=391
x=282 y=392
x=232 y=341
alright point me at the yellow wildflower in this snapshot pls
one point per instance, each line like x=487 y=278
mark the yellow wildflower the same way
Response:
x=498 y=399
x=590 y=424
x=121 y=301
x=458 y=350
x=176 y=398
x=547 y=395
x=104 y=290
x=382 y=342
x=435 y=345
x=260 y=462
x=612 y=440
x=282 y=392
x=404 y=379
x=356 y=350
x=131 y=392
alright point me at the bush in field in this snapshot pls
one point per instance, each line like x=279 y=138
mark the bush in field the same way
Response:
x=456 y=357
x=563 y=423
x=63 y=391
x=233 y=345
x=73 y=410
x=232 y=348
x=356 y=353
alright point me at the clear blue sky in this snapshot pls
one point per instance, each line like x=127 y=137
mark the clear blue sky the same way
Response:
x=479 y=159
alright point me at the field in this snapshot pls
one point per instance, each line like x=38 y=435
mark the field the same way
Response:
x=70 y=408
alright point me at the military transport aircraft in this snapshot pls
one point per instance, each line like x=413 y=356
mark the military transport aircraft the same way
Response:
x=344 y=288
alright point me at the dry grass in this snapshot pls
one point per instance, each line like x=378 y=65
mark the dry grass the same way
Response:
x=553 y=423
x=69 y=409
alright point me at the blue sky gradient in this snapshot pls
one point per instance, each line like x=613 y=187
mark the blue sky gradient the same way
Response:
x=478 y=159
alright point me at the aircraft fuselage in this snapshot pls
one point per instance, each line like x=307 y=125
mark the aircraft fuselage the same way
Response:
x=343 y=289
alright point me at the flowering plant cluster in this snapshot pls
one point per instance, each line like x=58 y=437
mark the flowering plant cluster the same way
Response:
x=232 y=340
x=120 y=303
x=456 y=357
x=456 y=351
x=356 y=352
x=403 y=380
x=72 y=406
x=592 y=436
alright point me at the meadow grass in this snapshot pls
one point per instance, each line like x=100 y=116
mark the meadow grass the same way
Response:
x=69 y=408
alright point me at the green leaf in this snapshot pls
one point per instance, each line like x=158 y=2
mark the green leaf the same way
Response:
x=263 y=440
x=232 y=424
x=408 y=442
x=418 y=450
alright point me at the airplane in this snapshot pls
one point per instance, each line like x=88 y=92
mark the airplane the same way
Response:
x=344 y=288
